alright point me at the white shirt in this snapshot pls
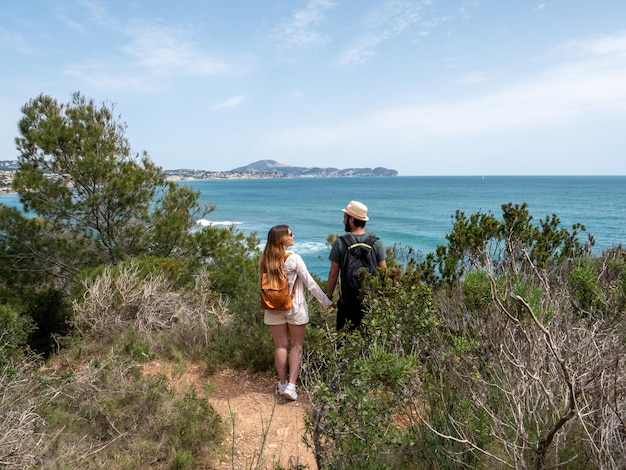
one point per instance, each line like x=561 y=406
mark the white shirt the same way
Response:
x=294 y=266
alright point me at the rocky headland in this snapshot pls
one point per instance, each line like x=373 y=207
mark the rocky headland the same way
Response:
x=274 y=169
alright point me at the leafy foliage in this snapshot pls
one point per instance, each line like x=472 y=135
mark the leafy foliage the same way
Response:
x=359 y=380
x=15 y=330
x=96 y=200
x=515 y=243
x=113 y=415
x=489 y=366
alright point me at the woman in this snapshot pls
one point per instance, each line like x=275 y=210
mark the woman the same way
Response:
x=288 y=326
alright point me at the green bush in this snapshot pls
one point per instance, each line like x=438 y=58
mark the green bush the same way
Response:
x=230 y=259
x=476 y=290
x=115 y=416
x=51 y=315
x=362 y=382
x=585 y=289
x=194 y=426
x=15 y=330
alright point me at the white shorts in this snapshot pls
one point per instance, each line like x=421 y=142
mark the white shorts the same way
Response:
x=280 y=317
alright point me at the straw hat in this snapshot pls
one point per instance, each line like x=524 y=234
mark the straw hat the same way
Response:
x=357 y=209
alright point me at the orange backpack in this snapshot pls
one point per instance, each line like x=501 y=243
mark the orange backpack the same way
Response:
x=276 y=297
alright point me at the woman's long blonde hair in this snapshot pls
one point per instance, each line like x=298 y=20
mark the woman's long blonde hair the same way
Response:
x=272 y=260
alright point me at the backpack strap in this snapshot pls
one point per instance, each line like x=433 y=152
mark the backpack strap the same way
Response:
x=371 y=240
x=350 y=240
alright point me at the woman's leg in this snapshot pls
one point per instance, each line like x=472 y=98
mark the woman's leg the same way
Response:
x=280 y=336
x=296 y=342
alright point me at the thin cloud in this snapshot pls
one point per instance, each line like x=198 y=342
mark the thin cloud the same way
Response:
x=576 y=90
x=607 y=45
x=153 y=54
x=71 y=23
x=97 y=12
x=107 y=75
x=301 y=29
x=382 y=24
x=14 y=42
x=62 y=15
x=473 y=78
x=166 y=50
x=229 y=103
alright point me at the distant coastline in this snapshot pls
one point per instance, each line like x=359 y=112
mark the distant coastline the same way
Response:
x=274 y=169
x=7 y=169
x=267 y=169
x=195 y=175
x=262 y=169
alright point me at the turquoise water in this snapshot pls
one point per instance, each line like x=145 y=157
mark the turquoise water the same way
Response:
x=413 y=211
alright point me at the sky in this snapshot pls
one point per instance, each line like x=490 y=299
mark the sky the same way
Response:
x=425 y=87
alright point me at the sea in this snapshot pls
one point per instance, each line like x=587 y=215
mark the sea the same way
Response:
x=409 y=211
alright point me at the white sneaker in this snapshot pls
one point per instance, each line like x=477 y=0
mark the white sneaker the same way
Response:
x=282 y=387
x=290 y=392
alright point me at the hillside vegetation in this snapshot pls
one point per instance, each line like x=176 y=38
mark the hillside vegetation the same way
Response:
x=502 y=349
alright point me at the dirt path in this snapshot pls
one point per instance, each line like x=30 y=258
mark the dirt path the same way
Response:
x=253 y=411
x=256 y=407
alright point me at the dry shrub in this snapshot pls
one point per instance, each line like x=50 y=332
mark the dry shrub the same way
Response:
x=527 y=382
x=22 y=440
x=122 y=298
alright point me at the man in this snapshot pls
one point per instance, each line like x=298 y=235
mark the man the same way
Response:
x=350 y=310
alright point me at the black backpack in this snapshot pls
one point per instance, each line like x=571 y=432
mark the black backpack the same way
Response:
x=358 y=261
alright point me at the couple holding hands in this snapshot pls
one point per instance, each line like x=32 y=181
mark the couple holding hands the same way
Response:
x=288 y=326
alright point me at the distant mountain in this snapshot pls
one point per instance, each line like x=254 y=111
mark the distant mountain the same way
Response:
x=262 y=166
x=280 y=169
